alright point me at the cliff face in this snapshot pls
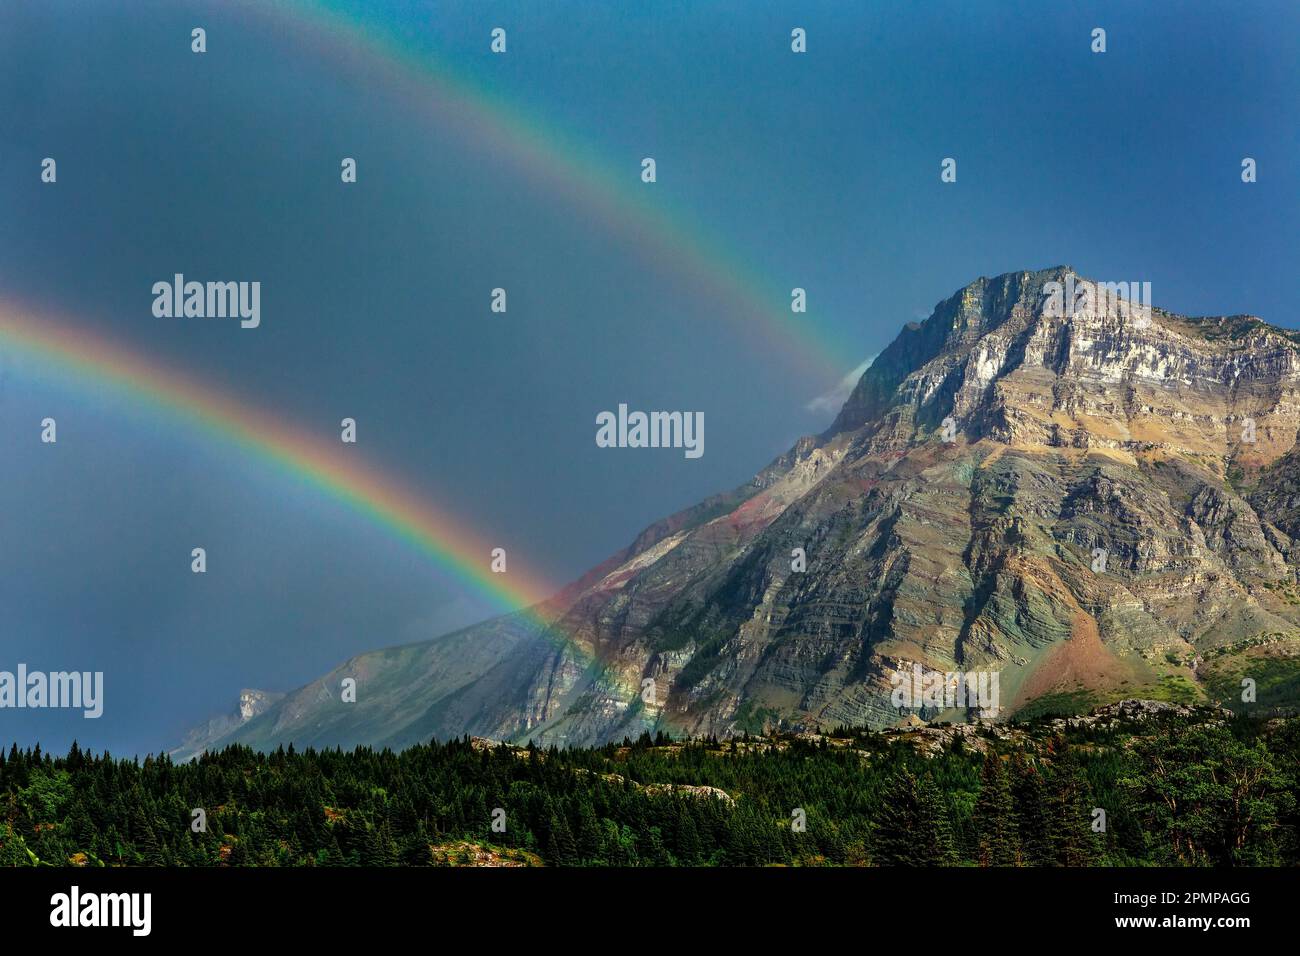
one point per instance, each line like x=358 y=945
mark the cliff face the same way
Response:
x=1096 y=500
x=252 y=703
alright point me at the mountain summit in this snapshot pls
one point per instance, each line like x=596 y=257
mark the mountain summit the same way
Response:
x=1089 y=497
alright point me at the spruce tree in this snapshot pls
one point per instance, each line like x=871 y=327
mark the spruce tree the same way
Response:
x=913 y=828
x=1070 y=816
x=995 y=822
x=589 y=833
x=1029 y=796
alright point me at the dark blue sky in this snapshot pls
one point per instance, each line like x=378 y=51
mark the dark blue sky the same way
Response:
x=820 y=170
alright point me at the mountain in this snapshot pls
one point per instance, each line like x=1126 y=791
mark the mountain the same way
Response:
x=252 y=703
x=1090 y=498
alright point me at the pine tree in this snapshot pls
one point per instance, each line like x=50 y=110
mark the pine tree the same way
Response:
x=561 y=848
x=1070 y=816
x=145 y=838
x=589 y=833
x=333 y=855
x=13 y=849
x=995 y=822
x=688 y=836
x=914 y=828
x=1029 y=795
x=376 y=845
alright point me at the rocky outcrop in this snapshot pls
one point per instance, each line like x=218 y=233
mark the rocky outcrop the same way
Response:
x=252 y=703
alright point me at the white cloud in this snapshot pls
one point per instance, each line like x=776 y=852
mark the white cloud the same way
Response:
x=835 y=398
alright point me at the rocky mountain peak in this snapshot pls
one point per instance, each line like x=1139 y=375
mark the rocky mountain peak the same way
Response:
x=1056 y=359
x=1049 y=483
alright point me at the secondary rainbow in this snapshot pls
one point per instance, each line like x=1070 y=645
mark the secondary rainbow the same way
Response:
x=568 y=167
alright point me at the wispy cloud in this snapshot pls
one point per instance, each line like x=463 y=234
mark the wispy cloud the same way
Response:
x=832 y=400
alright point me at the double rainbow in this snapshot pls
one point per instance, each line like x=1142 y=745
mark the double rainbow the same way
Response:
x=567 y=167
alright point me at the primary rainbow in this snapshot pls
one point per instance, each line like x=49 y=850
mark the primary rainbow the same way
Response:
x=566 y=166
x=76 y=353
x=336 y=469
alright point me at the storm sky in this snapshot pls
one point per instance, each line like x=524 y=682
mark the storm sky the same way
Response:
x=817 y=170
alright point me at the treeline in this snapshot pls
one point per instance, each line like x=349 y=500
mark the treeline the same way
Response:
x=1181 y=793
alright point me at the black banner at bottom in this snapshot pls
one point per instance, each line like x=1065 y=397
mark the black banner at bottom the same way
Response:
x=332 y=905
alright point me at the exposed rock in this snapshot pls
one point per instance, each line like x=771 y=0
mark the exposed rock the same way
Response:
x=464 y=853
x=252 y=703
x=689 y=790
x=1113 y=516
x=934 y=740
x=1135 y=711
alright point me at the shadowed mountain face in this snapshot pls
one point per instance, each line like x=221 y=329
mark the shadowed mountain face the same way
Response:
x=1092 y=499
